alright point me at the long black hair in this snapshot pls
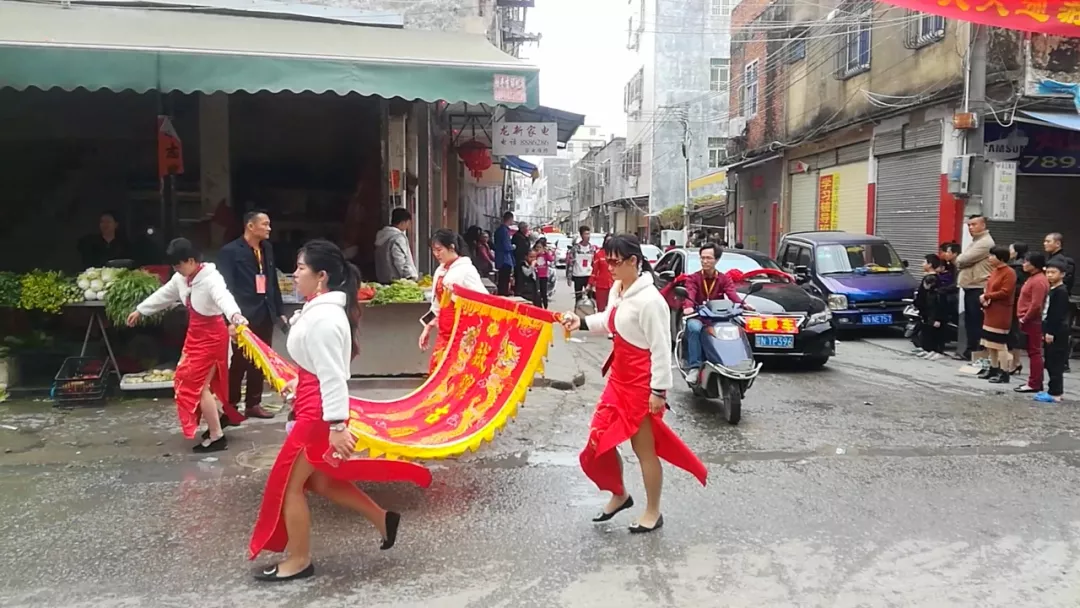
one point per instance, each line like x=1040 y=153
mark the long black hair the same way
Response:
x=627 y=246
x=321 y=255
x=450 y=240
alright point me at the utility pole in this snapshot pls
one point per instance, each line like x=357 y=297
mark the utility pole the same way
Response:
x=685 y=119
x=976 y=102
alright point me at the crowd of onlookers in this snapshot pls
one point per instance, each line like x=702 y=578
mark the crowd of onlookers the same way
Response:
x=1009 y=300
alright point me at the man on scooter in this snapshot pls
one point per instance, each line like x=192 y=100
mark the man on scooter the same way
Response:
x=702 y=286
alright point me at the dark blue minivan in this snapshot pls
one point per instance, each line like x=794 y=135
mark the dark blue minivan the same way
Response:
x=860 y=276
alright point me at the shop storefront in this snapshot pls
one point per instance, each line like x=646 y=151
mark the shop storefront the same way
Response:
x=908 y=189
x=758 y=191
x=828 y=190
x=1048 y=166
x=305 y=119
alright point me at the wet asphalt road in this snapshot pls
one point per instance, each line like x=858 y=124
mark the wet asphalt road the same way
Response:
x=878 y=481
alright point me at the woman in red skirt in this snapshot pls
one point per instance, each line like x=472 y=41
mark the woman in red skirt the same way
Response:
x=202 y=378
x=635 y=397
x=317 y=454
x=455 y=268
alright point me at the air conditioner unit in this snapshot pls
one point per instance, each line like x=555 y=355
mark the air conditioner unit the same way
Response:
x=737 y=126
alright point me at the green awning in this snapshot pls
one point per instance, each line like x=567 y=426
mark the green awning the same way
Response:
x=144 y=49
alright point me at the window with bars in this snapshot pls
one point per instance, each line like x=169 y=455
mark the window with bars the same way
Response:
x=632 y=93
x=854 y=55
x=632 y=161
x=796 y=49
x=750 y=90
x=719 y=74
x=923 y=29
x=717 y=152
x=720 y=8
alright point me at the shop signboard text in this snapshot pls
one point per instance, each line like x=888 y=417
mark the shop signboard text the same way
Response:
x=1003 y=192
x=525 y=139
x=1037 y=149
x=509 y=89
x=828 y=201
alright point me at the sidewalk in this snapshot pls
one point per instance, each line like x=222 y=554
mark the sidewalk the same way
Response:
x=954 y=372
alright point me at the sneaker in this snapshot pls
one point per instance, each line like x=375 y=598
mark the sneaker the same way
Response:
x=917 y=351
x=934 y=356
x=693 y=375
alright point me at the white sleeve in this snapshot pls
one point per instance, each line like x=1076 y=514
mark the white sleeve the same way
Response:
x=434 y=296
x=656 y=324
x=167 y=296
x=325 y=342
x=598 y=322
x=221 y=296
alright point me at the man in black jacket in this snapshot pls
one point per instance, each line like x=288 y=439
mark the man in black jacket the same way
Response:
x=1054 y=253
x=247 y=264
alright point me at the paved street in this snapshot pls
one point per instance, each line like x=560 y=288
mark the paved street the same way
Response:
x=879 y=481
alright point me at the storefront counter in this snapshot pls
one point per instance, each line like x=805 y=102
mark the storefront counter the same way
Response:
x=388 y=336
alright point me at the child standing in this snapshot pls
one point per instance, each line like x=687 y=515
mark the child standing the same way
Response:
x=545 y=261
x=1056 y=331
x=933 y=309
x=528 y=286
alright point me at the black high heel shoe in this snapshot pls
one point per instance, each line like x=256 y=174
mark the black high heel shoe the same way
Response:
x=393 y=520
x=629 y=502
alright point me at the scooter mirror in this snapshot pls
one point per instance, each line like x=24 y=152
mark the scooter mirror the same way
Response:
x=681 y=292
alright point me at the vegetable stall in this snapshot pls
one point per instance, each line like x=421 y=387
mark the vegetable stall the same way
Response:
x=100 y=299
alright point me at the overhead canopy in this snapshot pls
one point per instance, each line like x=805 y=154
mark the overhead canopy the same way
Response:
x=568 y=121
x=1061 y=120
x=145 y=49
x=519 y=165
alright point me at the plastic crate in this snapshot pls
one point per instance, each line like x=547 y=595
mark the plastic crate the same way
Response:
x=82 y=381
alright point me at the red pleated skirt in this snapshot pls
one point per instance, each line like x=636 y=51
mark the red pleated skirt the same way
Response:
x=310 y=439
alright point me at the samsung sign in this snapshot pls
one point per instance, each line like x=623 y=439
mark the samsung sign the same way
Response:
x=1037 y=149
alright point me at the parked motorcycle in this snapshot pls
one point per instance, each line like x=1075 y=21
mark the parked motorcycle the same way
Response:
x=729 y=369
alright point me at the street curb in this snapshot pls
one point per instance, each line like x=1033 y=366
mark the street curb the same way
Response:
x=560 y=385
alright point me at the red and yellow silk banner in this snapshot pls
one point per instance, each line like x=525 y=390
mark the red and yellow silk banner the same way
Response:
x=1058 y=17
x=496 y=350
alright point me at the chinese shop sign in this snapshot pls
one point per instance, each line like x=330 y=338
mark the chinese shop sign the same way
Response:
x=525 y=139
x=1058 y=17
x=828 y=200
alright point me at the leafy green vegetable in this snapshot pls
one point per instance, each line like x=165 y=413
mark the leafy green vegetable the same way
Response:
x=399 y=292
x=47 y=291
x=10 y=290
x=126 y=293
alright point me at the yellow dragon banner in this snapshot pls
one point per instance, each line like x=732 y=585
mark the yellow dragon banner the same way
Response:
x=497 y=348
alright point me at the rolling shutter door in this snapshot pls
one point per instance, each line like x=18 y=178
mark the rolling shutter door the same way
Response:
x=1041 y=209
x=803 y=199
x=908 y=187
x=851 y=204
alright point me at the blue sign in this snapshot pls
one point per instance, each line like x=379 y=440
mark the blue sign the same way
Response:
x=1037 y=149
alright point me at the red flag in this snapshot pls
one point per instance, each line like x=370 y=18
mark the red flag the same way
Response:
x=1057 y=17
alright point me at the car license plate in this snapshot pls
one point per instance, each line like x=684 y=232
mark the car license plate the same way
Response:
x=877 y=319
x=774 y=341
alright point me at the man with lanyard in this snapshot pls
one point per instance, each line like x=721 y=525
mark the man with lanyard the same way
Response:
x=702 y=286
x=247 y=264
x=579 y=262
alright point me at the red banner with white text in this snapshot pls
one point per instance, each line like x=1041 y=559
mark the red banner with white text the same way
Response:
x=1058 y=17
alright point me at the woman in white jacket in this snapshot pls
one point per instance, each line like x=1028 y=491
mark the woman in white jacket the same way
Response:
x=202 y=375
x=634 y=400
x=454 y=269
x=318 y=453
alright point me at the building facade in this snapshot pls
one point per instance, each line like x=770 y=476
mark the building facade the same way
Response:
x=678 y=95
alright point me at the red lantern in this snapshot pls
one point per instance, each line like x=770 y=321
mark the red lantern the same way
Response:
x=476 y=156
